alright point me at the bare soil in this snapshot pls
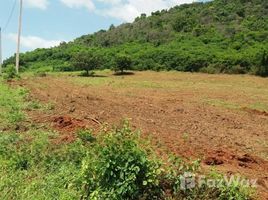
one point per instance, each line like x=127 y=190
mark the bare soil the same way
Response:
x=173 y=110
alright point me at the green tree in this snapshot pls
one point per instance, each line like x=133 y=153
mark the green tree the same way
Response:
x=122 y=62
x=86 y=61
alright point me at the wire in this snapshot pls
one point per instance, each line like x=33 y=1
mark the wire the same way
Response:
x=10 y=16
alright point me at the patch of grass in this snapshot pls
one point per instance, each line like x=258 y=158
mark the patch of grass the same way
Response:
x=11 y=105
x=34 y=168
x=33 y=105
x=49 y=106
x=249 y=87
x=118 y=82
x=259 y=106
x=236 y=106
x=222 y=103
x=36 y=105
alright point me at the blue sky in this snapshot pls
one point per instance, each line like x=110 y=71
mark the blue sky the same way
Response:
x=48 y=22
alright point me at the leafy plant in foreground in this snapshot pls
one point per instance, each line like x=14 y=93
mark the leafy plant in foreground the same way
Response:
x=118 y=169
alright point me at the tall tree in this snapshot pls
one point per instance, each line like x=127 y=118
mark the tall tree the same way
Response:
x=86 y=61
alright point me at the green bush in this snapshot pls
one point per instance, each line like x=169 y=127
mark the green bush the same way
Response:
x=119 y=169
x=10 y=72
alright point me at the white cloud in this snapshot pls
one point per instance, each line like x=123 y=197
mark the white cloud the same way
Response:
x=128 y=10
x=79 y=4
x=110 y=1
x=41 y=4
x=33 y=42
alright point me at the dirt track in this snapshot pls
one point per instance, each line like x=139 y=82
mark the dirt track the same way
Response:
x=178 y=120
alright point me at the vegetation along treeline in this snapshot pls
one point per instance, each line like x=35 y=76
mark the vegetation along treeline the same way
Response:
x=214 y=37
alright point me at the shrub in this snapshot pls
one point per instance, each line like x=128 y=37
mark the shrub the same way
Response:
x=10 y=73
x=119 y=169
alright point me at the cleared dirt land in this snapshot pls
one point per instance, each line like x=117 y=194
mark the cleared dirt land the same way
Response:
x=221 y=119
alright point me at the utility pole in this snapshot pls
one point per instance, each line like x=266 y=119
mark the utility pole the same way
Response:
x=0 y=51
x=18 y=42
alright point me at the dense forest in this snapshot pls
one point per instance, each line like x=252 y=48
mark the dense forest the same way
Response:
x=220 y=36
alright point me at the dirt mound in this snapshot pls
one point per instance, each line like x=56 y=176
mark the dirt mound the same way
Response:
x=219 y=157
x=256 y=112
x=213 y=161
x=247 y=159
x=222 y=157
x=66 y=123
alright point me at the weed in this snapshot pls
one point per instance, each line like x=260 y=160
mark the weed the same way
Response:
x=185 y=137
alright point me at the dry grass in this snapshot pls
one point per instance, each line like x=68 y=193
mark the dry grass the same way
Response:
x=227 y=91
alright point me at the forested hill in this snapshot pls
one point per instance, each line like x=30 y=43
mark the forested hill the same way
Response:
x=222 y=36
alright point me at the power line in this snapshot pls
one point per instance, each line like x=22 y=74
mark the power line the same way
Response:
x=10 y=15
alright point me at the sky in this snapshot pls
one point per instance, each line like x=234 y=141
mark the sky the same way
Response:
x=46 y=23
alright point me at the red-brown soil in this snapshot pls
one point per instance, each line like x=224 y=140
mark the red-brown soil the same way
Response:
x=231 y=140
